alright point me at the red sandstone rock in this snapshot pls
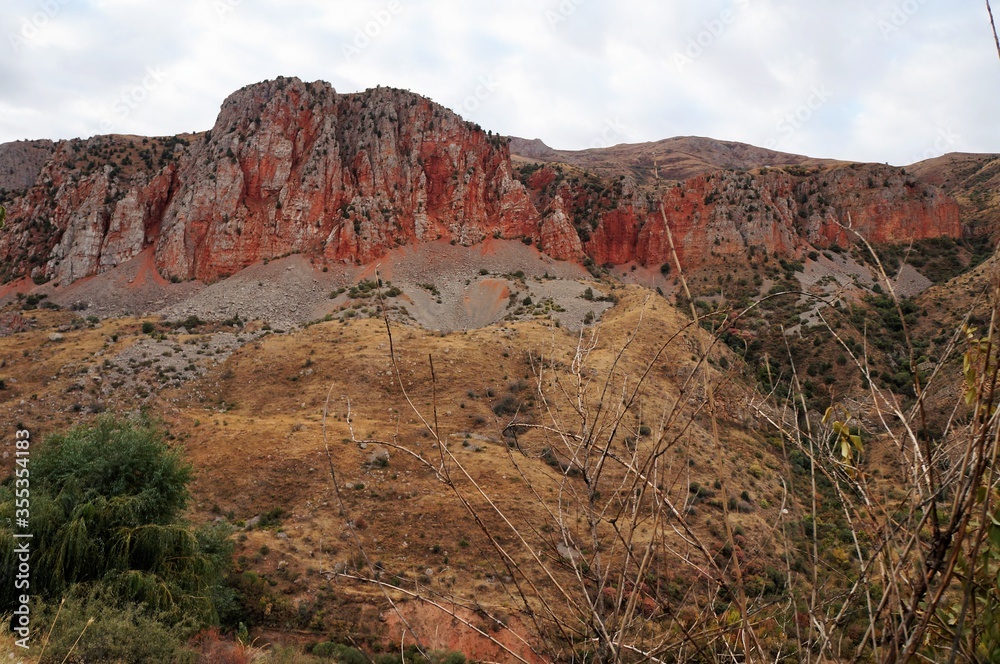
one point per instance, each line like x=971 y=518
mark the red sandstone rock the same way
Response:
x=294 y=167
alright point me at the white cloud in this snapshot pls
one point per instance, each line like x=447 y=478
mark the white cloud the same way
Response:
x=576 y=73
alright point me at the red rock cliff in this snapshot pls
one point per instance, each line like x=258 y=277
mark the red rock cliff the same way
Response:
x=292 y=166
x=295 y=167
x=717 y=217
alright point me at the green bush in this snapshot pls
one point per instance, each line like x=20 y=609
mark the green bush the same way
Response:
x=448 y=658
x=192 y=322
x=326 y=649
x=339 y=653
x=118 y=633
x=106 y=505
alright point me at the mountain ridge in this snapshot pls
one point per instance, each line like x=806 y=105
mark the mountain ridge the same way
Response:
x=677 y=158
x=295 y=167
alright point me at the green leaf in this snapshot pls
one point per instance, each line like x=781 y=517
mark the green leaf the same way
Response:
x=995 y=536
x=970 y=396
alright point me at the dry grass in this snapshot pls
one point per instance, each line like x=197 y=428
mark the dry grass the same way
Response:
x=252 y=428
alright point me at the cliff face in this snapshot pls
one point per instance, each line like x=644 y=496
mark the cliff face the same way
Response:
x=722 y=215
x=974 y=181
x=21 y=162
x=295 y=167
x=719 y=217
x=93 y=205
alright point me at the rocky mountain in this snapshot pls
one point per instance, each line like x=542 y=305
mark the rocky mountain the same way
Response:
x=294 y=167
x=392 y=263
x=974 y=181
x=725 y=214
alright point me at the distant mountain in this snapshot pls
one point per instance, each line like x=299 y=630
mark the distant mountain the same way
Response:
x=676 y=159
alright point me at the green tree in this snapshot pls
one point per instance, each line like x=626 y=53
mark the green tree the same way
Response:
x=106 y=507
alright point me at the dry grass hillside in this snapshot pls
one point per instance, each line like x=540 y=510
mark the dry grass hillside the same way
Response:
x=527 y=490
x=250 y=417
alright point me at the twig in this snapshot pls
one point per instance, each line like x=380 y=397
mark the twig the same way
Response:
x=993 y=25
x=48 y=635
x=90 y=621
x=444 y=609
x=343 y=511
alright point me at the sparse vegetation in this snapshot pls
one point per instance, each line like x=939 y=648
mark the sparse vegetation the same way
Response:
x=797 y=466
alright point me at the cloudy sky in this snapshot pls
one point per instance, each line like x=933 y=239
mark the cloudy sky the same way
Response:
x=877 y=80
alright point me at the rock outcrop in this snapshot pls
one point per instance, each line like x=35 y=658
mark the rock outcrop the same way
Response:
x=21 y=162
x=294 y=167
x=721 y=216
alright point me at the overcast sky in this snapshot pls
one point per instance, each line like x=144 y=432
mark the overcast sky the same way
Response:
x=888 y=81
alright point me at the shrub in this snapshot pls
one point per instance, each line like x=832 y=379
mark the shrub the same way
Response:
x=326 y=649
x=272 y=518
x=339 y=653
x=448 y=658
x=192 y=322
x=431 y=288
x=349 y=655
x=117 y=633
x=107 y=500
x=507 y=405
